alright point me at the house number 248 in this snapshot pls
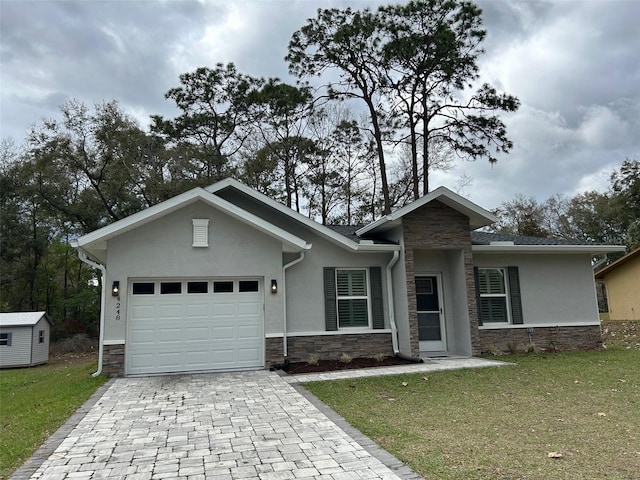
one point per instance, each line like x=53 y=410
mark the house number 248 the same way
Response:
x=117 y=310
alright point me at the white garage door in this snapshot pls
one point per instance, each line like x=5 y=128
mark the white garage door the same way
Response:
x=194 y=325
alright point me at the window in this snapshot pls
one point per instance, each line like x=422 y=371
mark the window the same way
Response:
x=144 y=288
x=492 y=289
x=353 y=298
x=222 y=287
x=41 y=336
x=200 y=232
x=197 y=287
x=5 y=339
x=248 y=286
x=170 y=288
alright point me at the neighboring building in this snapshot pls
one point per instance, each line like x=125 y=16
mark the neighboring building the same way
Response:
x=226 y=278
x=24 y=339
x=622 y=283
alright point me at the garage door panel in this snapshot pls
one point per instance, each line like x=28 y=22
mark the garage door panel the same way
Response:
x=196 y=334
x=249 y=332
x=223 y=333
x=248 y=308
x=171 y=333
x=224 y=310
x=170 y=311
x=143 y=311
x=199 y=310
x=247 y=355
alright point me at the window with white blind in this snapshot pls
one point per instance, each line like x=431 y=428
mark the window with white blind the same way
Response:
x=352 y=294
x=200 y=232
x=493 y=292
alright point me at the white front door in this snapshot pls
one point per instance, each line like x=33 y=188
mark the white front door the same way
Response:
x=431 y=325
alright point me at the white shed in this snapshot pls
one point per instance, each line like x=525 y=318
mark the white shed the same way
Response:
x=24 y=339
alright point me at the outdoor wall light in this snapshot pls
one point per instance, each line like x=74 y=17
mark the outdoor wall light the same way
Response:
x=115 y=288
x=274 y=286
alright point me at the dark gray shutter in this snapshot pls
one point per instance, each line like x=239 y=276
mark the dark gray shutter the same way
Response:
x=478 y=307
x=330 y=306
x=377 y=305
x=514 y=294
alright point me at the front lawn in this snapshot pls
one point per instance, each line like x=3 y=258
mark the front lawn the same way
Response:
x=35 y=401
x=503 y=423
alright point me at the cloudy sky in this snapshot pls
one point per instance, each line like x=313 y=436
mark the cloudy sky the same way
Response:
x=574 y=65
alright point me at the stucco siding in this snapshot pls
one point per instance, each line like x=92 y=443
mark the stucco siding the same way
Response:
x=40 y=351
x=623 y=291
x=305 y=287
x=554 y=288
x=163 y=249
x=19 y=353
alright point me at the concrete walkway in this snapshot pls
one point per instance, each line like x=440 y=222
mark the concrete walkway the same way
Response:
x=244 y=425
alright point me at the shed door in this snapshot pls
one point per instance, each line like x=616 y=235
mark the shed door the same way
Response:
x=194 y=325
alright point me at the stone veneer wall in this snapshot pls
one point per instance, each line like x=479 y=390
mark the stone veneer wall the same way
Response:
x=113 y=360
x=507 y=340
x=431 y=227
x=329 y=347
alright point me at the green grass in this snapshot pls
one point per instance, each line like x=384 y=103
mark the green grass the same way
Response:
x=35 y=402
x=501 y=423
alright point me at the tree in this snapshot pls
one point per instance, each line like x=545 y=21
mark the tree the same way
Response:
x=347 y=41
x=430 y=59
x=625 y=186
x=280 y=112
x=82 y=165
x=411 y=64
x=215 y=119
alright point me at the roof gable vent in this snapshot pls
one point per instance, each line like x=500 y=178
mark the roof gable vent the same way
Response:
x=200 y=232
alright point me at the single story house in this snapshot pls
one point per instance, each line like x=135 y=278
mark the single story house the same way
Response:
x=225 y=278
x=622 y=283
x=24 y=339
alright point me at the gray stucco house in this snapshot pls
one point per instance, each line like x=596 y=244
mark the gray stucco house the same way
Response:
x=226 y=278
x=24 y=339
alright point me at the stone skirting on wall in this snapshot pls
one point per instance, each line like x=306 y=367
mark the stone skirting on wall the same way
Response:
x=113 y=360
x=329 y=347
x=553 y=339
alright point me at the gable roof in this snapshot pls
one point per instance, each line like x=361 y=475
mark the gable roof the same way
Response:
x=478 y=216
x=22 y=319
x=96 y=241
x=345 y=241
x=600 y=274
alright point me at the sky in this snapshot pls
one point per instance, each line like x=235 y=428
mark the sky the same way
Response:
x=574 y=65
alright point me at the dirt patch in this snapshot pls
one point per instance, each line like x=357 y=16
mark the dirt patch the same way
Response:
x=625 y=334
x=336 y=365
x=73 y=351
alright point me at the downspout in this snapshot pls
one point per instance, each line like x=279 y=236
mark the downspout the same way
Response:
x=392 y=316
x=284 y=302
x=84 y=258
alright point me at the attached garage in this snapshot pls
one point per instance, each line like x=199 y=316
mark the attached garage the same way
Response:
x=194 y=325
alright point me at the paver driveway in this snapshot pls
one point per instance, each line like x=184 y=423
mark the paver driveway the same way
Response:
x=214 y=426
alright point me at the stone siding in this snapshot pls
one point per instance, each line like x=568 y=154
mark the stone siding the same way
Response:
x=329 y=347
x=113 y=360
x=554 y=339
x=436 y=226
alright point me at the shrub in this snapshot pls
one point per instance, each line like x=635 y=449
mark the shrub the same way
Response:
x=345 y=358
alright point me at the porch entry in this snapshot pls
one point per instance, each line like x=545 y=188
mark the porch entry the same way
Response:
x=431 y=326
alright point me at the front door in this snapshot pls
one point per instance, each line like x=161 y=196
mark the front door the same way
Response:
x=431 y=328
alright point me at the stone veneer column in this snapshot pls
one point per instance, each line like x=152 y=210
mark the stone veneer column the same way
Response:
x=436 y=226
